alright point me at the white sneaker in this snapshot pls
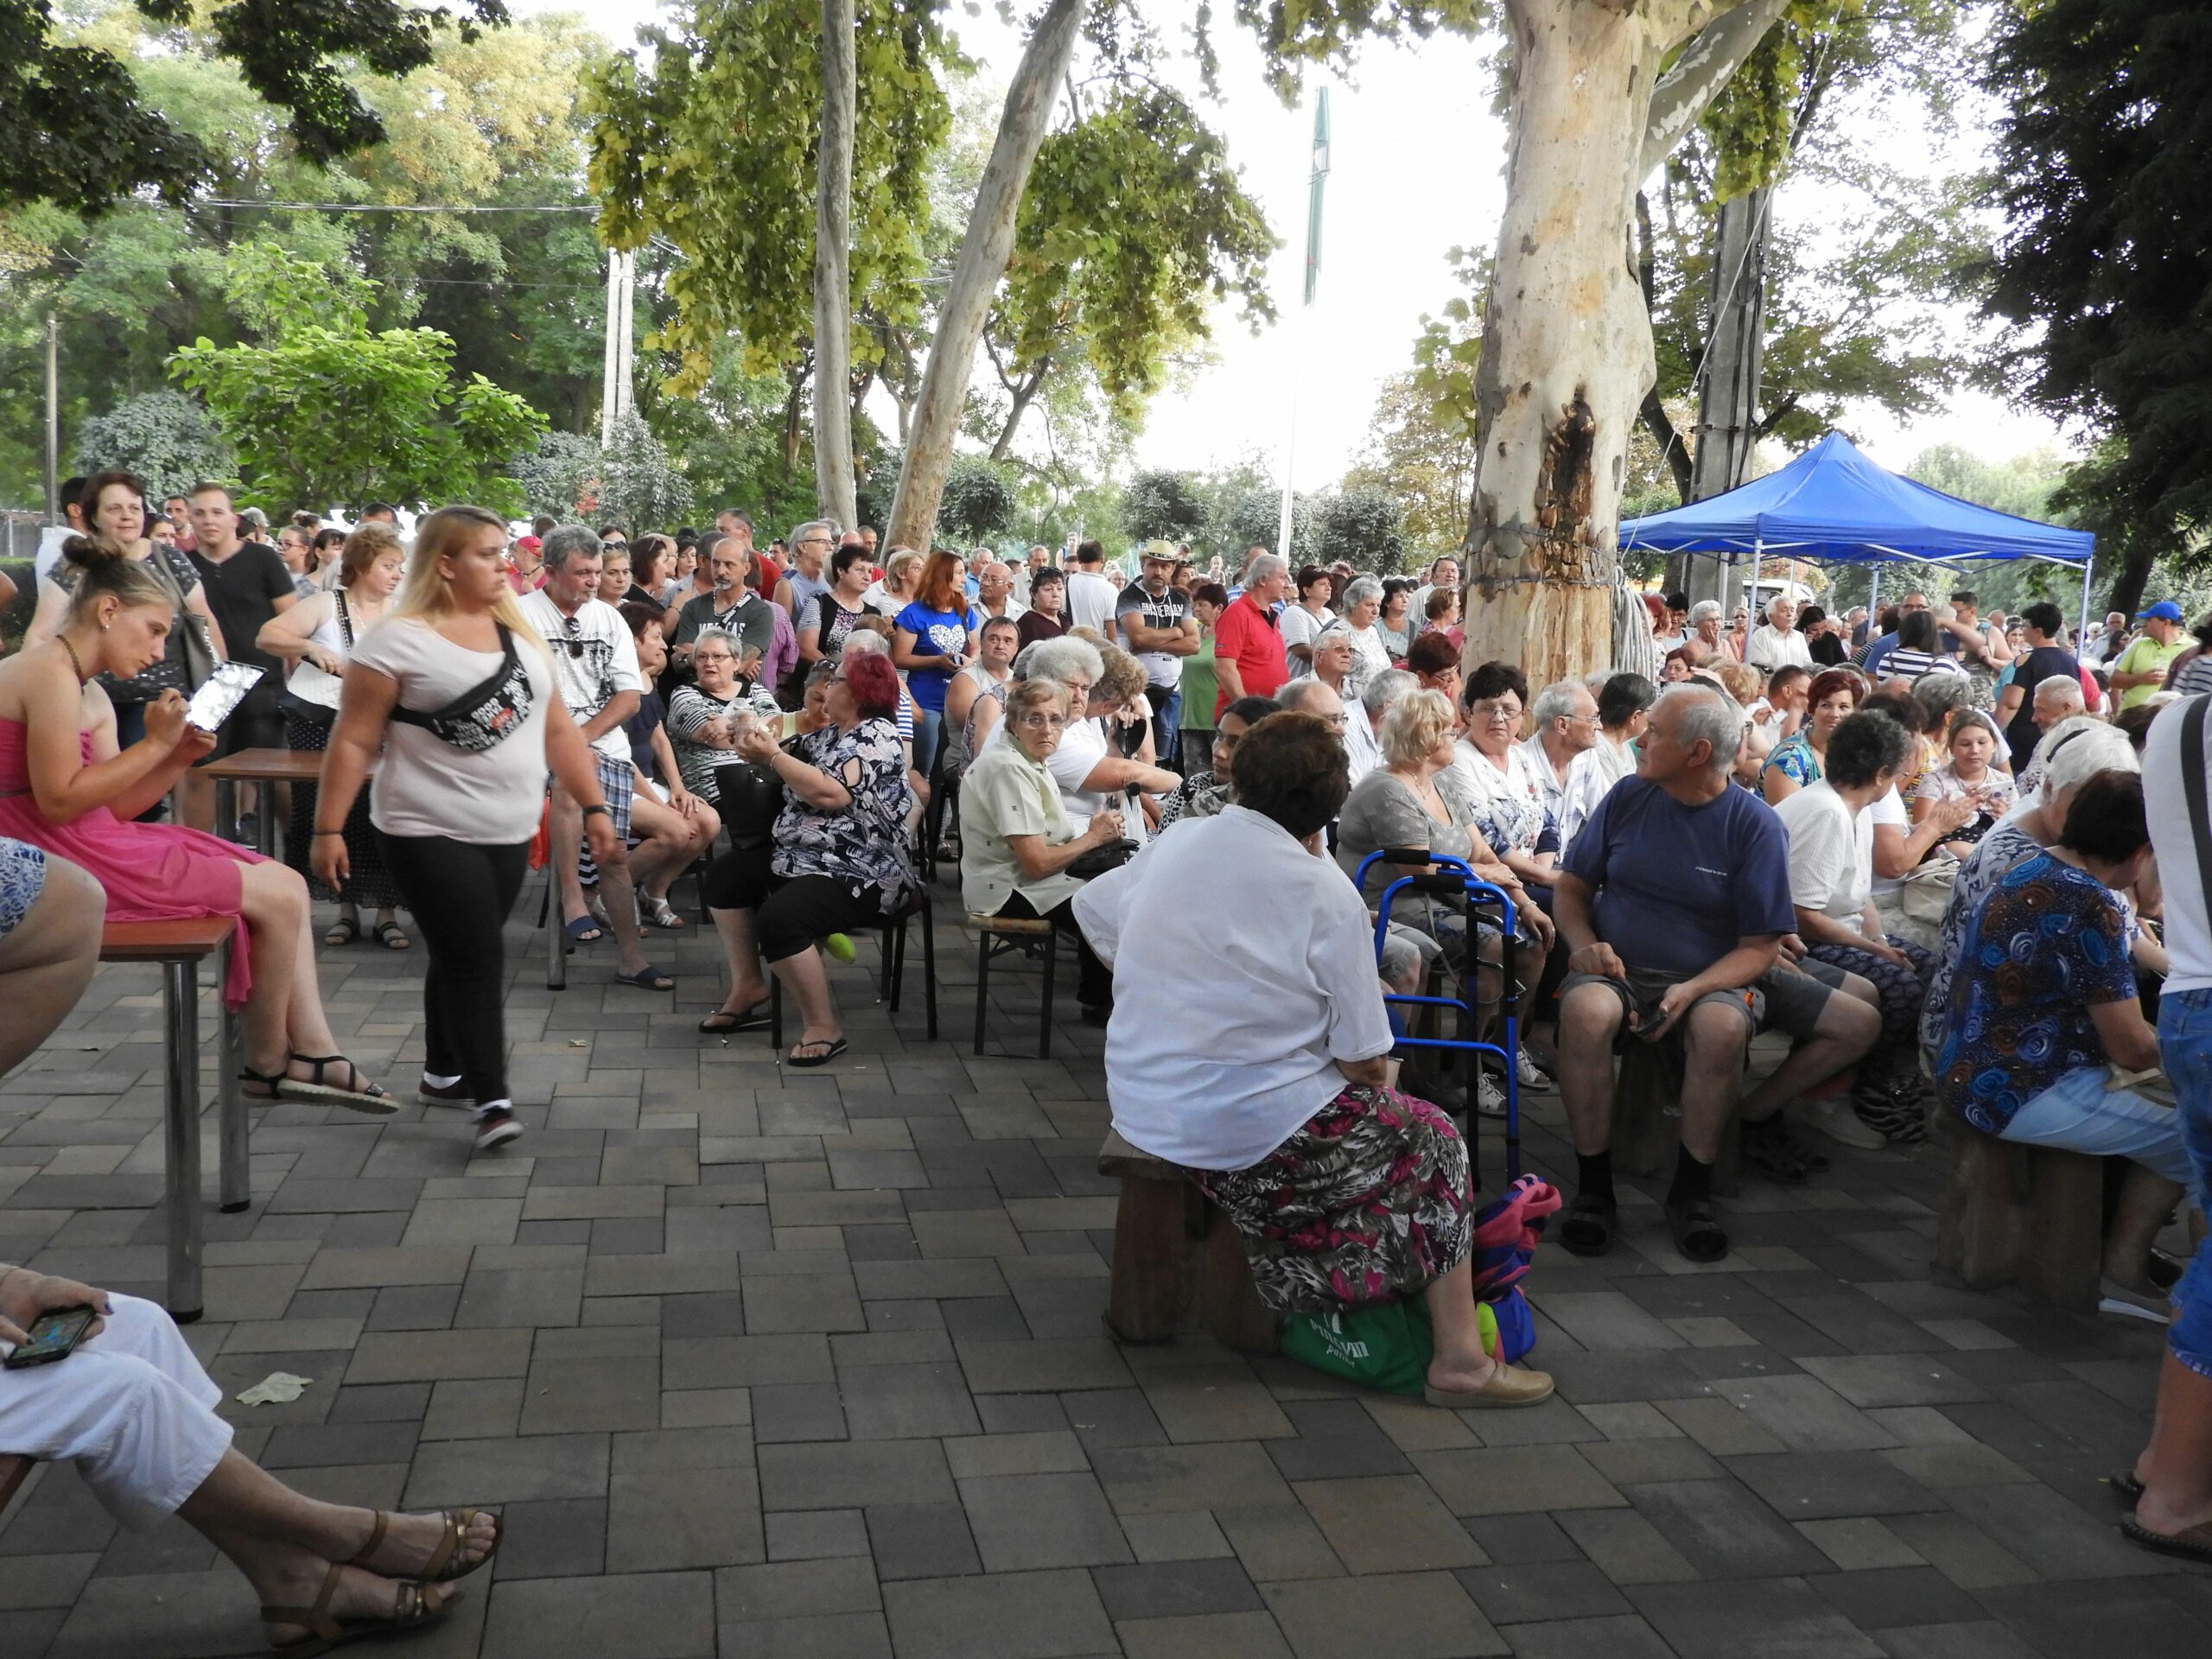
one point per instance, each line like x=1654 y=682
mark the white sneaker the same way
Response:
x=1490 y=1096
x=1532 y=1075
x=1835 y=1119
x=2112 y=1297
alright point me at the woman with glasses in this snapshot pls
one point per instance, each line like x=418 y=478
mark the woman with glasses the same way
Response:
x=703 y=716
x=1496 y=774
x=1015 y=838
x=1370 y=656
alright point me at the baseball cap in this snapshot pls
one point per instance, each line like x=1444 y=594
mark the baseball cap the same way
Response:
x=527 y=544
x=2165 y=610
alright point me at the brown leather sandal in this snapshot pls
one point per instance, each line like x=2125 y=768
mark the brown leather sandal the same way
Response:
x=412 y=1606
x=439 y=1569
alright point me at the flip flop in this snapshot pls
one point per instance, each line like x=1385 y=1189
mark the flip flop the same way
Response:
x=582 y=929
x=1697 y=1229
x=647 y=978
x=2123 y=1484
x=752 y=1019
x=833 y=1046
x=1587 y=1226
x=2194 y=1545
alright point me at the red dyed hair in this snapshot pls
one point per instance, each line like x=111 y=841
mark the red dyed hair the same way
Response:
x=873 y=684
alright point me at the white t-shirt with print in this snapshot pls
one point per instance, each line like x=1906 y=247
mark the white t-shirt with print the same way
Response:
x=602 y=671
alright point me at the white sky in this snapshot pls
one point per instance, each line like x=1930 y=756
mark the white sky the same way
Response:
x=1416 y=169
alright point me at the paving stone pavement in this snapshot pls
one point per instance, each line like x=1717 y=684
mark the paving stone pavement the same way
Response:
x=771 y=1363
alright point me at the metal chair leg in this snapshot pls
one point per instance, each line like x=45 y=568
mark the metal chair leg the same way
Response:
x=983 y=984
x=181 y=1016
x=235 y=1179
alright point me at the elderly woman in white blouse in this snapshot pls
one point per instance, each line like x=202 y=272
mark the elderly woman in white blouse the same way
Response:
x=1370 y=652
x=1498 y=775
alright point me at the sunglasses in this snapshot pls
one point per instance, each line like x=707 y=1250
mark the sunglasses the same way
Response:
x=575 y=641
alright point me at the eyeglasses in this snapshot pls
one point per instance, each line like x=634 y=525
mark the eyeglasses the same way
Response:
x=1339 y=721
x=1494 y=712
x=1045 y=722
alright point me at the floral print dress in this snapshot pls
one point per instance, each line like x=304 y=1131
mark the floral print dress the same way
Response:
x=864 y=845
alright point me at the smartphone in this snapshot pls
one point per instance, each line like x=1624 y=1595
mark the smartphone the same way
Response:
x=54 y=1335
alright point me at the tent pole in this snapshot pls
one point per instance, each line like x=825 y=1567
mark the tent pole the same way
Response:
x=1752 y=599
x=2081 y=637
x=1874 y=604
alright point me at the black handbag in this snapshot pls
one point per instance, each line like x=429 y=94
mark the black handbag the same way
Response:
x=749 y=797
x=1099 y=860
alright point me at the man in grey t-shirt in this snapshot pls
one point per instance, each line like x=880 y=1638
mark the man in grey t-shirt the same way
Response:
x=1152 y=618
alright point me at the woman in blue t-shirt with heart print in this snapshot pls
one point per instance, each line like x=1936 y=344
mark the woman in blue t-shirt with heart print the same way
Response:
x=933 y=638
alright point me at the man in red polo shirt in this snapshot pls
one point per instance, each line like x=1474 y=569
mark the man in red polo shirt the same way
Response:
x=1248 y=653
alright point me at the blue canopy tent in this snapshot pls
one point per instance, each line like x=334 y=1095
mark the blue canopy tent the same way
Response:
x=1834 y=505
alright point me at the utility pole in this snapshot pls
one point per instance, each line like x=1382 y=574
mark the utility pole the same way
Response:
x=1728 y=396
x=616 y=398
x=52 y=418
x=1316 y=180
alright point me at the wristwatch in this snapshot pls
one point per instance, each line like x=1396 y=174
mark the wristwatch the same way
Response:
x=603 y=810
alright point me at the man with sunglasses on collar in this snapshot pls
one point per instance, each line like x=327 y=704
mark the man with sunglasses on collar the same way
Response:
x=595 y=660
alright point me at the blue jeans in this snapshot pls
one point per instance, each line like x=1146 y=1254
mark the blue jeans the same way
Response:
x=2185 y=1052
x=1167 y=726
x=2079 y=1113
x=928 y=727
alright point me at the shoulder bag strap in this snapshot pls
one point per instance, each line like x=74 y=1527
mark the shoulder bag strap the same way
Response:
x=344 y=618
x=2192 y=783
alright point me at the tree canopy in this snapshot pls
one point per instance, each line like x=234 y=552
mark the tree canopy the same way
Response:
x=2104 y=168
x=76 y=129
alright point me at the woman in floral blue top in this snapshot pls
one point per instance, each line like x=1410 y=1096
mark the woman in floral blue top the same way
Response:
x=1796 y=762
x=2044 y=1001
x=839 y=859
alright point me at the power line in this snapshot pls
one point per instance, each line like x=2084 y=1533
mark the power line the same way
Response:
x=395 y=207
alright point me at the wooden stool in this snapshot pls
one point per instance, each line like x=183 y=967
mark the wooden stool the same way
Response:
x=999 y=936
x=180 y=946
x=1647 y=1133
x=14 y=1471
x=1177 y=1259
x=2029 y=1215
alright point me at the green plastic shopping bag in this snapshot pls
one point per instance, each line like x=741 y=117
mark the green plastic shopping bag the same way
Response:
x=1385 y=1346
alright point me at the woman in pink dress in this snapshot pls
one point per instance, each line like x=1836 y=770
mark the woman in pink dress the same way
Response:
x=66 y=787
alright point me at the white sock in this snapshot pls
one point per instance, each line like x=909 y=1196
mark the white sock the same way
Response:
x=502 y=1104
x=436 y=1082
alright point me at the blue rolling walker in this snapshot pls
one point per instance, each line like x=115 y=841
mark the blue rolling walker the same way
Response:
x=1451 y=877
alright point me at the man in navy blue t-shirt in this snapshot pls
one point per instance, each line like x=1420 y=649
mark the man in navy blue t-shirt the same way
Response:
x=1675 y=902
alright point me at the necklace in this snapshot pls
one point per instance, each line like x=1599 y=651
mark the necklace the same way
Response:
x=75 y=661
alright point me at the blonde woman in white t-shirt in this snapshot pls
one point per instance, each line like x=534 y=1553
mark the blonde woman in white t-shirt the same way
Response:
x=458 y=693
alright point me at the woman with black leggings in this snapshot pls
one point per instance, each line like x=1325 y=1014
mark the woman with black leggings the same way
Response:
x=457 y=690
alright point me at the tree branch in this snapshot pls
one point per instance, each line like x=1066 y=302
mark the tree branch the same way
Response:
x=1684 y=91
x=1775 y=416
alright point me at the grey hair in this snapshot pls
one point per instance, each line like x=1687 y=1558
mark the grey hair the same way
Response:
x=1704 y=608
x=563 y=542
x=800 y=532
x=1266 y=567
x=1779 y=598
x=1057 y=659
x=1300 y=692
x=1361 y=589
x=2078 y=748
x=867 y=640
x=1940 y=694
x=1554 y=699
x=729 y=641
x=1712 y=717
x=2061 y=682
x=1386 y=688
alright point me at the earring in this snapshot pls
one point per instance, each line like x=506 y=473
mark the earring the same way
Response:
x=104 y=627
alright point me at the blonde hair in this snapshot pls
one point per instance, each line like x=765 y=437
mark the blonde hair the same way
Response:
x=1742 y=680
x=427 y=596
x=1122 y=677
x=364 y=545
x=1413 y=726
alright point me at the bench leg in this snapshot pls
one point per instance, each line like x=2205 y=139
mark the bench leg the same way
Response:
x=180 y=996
x=1978 y=1235
x=2065 y=1250
x=236 y=1180
x=1145 y=1301
x=1231 y=1306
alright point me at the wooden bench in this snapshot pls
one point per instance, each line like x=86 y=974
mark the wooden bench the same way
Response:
x=1178 y=1260
x=1647 y=1108
x=2032 y=1216
x=999 y=936
x=178 y=947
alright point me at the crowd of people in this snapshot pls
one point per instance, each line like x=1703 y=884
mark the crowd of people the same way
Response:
x=1924 y=848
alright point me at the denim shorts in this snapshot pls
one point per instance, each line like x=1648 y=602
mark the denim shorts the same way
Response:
x=2185 y=1053
x=2078 y=1114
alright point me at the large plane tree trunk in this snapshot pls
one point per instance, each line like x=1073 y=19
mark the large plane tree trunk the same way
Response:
x=1566 y=339
x=983 y=254
x=833 y=198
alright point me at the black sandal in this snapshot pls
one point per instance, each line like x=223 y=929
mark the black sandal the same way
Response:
x=371 y=1099
x=1697 y=1233
x=344 y=931
x=392 y=936
x=2124 y=1482
x=1587 y=1224
x=260 y=1085
x=1770 y=1148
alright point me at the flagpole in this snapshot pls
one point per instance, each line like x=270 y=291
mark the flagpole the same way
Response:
x=1315 y=179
